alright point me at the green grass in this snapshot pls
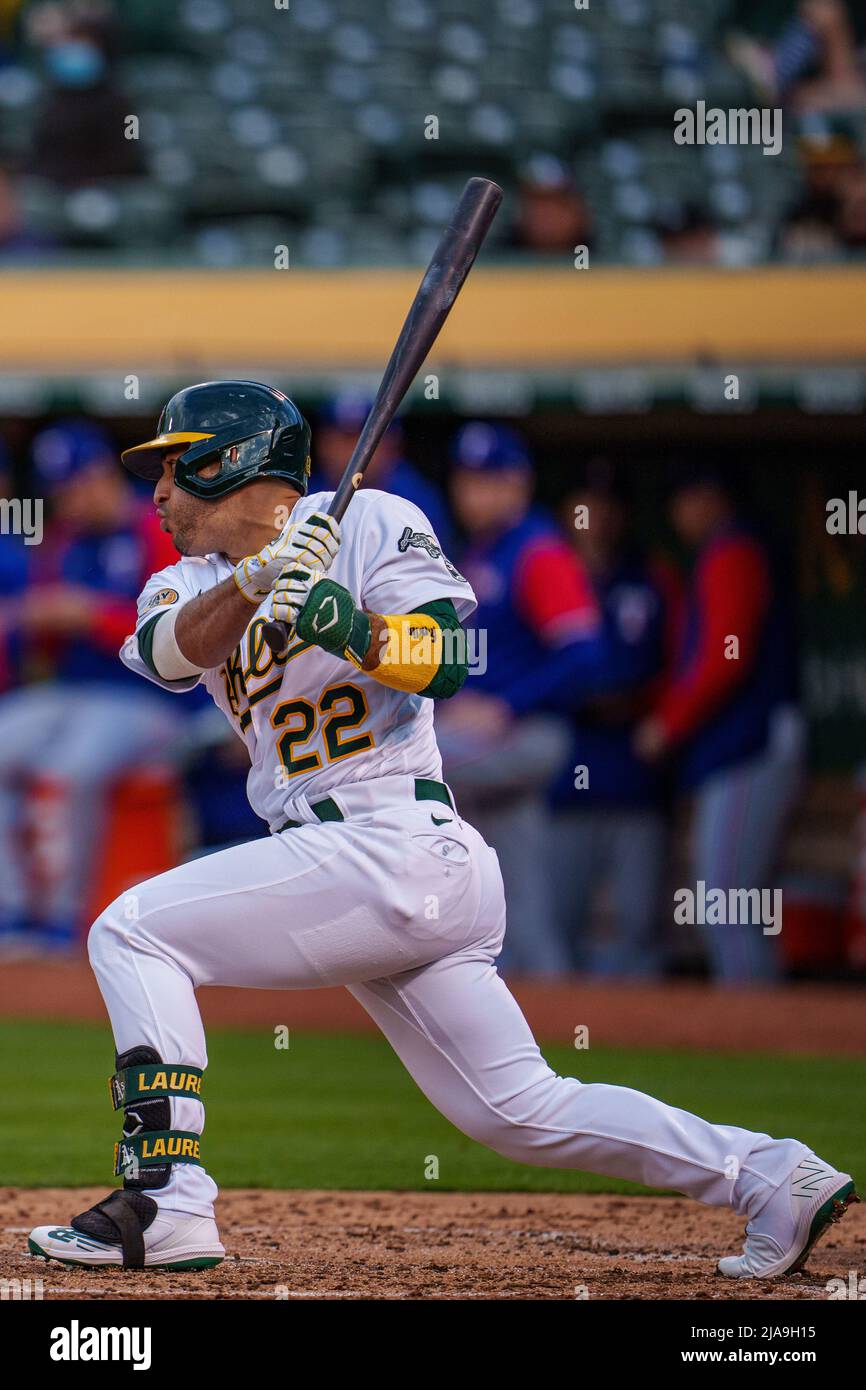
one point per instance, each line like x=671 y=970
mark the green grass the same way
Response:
x=341 y=1112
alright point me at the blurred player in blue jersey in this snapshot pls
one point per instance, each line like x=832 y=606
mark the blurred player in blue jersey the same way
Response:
x=64 y=737
x=539 y=650
x=340 y=424
x=14 y=564
x=610 y=826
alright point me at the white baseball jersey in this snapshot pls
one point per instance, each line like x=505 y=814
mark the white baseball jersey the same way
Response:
x=312 y=721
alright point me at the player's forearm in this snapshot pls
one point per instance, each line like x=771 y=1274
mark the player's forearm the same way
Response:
x=209 y=627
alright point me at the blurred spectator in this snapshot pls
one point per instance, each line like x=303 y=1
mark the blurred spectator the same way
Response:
x=552 y=216
x=539 y=650
x=835 y=79
x=63 y=739
x=9 y=14
x=610 y=826
x=80 y=135
x=827 y=219
x=687 y=235
x=852 y=214
x=340 y=424
x=805 y=54
x=730 y=712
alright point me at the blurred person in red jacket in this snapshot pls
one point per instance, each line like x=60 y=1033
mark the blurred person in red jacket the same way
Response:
x=66 y=736
x=730 y=715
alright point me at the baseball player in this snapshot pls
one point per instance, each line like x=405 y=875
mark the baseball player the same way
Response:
x=369 y=879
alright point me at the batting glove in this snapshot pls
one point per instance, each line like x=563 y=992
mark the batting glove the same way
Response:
x=322 y=612
x=255 y=575
x=315 y=543
x=291 y=591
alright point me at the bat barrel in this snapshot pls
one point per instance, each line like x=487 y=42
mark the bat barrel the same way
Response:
x=450 y=264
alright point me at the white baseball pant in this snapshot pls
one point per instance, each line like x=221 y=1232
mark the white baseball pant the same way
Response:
x=410 y=916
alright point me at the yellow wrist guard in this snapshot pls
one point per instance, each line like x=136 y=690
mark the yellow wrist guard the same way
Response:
x=410 y=652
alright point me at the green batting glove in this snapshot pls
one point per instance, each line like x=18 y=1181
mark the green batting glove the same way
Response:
x=330 y=620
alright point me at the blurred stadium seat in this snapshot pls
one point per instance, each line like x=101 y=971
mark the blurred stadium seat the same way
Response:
x=237 y=121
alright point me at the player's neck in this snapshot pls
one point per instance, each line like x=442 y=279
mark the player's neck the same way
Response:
x=265 y=513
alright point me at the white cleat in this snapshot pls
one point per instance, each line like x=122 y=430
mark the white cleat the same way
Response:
x=817 y=1195
x=173 y=1240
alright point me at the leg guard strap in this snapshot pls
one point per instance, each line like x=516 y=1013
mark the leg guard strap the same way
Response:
x=154 y=1081
x=154 y=1147
x=143 y=1085
x=122 y=1218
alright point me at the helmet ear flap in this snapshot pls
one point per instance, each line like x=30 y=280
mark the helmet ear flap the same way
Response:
x=286 y=443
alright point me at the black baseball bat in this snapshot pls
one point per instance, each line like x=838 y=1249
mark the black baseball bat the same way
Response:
x=443 y=279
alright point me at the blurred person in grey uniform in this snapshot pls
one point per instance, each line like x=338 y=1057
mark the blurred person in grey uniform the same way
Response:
x=610 y=807
x=538 y=647
x=729 y=720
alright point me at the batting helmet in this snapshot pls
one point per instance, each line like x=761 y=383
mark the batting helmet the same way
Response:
x=253 y=431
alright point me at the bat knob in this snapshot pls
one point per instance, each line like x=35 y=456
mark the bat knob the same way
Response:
x=278 y=636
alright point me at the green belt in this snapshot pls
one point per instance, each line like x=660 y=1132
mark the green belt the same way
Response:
x=425 y=790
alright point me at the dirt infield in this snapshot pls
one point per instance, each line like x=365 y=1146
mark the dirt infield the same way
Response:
x=436 y=1245
x=824 y=1020
x=387 y=1245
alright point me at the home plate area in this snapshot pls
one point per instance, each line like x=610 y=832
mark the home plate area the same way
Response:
x=394 y=1245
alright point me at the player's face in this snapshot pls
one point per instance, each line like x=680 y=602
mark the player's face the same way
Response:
x=695 y=511
x=197 y=527
x=486 y=503
x=235 y=525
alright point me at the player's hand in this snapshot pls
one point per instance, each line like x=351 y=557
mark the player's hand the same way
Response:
x=315 y=542
x=292 y=588
x=255 y=575
x=322 y=612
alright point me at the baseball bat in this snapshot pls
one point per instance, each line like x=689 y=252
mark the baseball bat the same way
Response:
x=443 y=279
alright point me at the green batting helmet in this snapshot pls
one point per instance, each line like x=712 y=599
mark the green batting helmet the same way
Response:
x=253 y=431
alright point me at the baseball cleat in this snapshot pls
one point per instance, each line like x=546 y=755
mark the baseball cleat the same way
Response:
x=816 y=1196
x=131 y=1231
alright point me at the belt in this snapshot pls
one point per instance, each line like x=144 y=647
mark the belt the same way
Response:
x=327 y=809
